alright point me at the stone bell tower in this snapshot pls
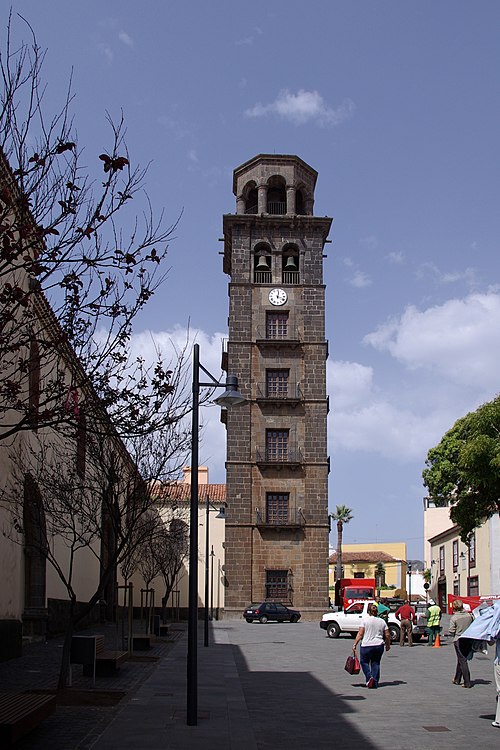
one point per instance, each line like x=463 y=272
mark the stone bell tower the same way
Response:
x=277 y=464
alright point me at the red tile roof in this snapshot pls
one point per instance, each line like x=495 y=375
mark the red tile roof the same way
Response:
x=182 y=492
x=369 y=556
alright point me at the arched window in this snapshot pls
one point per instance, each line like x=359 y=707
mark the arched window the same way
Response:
x=250 y=196
x=262 y=272
x=290 y=265
x=276 y=195
x=299 y=202
x=35 y=546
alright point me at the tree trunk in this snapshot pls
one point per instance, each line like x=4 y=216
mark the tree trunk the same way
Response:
x=339 y=550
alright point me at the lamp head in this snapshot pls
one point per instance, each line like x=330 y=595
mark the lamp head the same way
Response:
x=231 y=396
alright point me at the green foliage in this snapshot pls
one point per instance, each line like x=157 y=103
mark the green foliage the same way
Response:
x=464 y=469
x=342 y=513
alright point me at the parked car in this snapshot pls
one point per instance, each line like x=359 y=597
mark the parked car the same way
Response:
x=350 y=620
x=270 y=611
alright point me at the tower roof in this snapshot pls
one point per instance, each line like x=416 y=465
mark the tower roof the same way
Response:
x=273 y=160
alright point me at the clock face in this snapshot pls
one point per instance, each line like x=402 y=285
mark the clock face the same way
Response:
x=278 y=296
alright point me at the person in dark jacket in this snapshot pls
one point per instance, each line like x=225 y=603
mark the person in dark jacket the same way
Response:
x=459 y=622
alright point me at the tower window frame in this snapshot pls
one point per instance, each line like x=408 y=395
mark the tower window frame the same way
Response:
x=278 y=585
x=277 y=445
x=277 y=324
x=277 y=508
x=277 y=383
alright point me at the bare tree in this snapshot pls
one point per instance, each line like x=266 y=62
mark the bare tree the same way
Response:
x=60 y=243
x=173 y=554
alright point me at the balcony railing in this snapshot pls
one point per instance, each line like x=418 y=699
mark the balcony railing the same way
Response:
x=283 y=391
x=290 y=458
x=291 y=277
x=276 y=207
x=287 y=335
x=262 y=277
x=292 y=518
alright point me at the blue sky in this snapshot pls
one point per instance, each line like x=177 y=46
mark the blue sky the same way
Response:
x=396 y=105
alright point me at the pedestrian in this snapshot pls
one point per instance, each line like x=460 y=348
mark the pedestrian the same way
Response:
x=373 y=634
x=459 y=622
x=433 y=622
x=486 y=627
x=382 y=609
x=406 y=616
x=496 y=672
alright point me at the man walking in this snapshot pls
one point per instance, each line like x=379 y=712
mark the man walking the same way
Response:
x=406 y=615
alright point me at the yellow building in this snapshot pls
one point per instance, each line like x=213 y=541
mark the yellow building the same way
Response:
x=385 y=561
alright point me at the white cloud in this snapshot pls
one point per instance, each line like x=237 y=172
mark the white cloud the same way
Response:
x=360 y=280
x=429 y=269
x=349 y=383
x=459 y=340
x=303 y=107
x=371 y=242
x=212 y=449
x=396 y=258
x=380 y=427
x=125 y=38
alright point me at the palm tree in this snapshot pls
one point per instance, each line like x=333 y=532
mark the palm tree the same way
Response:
x=342 y=515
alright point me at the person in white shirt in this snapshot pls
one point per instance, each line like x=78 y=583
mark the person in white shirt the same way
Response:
x=374 y=635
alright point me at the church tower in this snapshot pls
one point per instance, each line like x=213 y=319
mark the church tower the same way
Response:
x=277 y=465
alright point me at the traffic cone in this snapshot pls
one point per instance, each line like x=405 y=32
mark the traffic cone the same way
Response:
x=437 y=642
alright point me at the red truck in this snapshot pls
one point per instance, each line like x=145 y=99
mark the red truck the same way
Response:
x=355 y=588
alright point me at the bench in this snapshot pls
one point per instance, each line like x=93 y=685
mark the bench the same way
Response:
x=141 y=642
x=22 y=712
x=107 y=662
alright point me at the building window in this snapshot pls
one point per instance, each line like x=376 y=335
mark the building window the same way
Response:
x=472 y=551
x=277 y=445
x=277 y=508
x=456 y=588
x=455 y=555
x=277 y=325
x=473 y=587
x=441 y=561
x=277 y=383
x=277 y=585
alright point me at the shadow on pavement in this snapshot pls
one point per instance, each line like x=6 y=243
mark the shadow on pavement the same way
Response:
x=294 y=710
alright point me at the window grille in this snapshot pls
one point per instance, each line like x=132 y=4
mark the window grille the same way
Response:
x=277 y=508
x=277 y=586
x=277 y=325
x=277 y=445
x=277 y=383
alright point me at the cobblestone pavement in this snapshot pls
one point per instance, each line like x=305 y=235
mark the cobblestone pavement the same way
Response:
x=76 y=727
x=278 y=686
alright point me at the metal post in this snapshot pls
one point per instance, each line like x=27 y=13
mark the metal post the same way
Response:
x=207 y=539
x=212 y=555
x=192 y=644
x=409 y=582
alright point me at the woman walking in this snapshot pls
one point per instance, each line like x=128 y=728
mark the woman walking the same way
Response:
x=374 y=635
x=459 y=622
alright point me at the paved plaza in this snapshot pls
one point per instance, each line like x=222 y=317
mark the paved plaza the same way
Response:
x=272 y=686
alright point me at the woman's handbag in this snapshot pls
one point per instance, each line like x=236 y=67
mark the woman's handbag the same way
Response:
x=352 y=665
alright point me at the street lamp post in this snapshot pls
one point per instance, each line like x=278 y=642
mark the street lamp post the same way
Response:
x=212 y=555
x=231 y=397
